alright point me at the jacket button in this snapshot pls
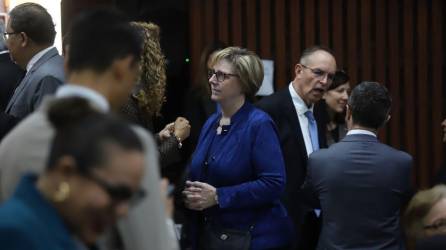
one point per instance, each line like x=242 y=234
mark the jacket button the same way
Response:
x=224 y=237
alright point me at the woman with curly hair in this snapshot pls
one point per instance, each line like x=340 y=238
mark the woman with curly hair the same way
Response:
x=148 y=96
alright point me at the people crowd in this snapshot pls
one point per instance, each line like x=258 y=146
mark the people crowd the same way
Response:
x=82 y=161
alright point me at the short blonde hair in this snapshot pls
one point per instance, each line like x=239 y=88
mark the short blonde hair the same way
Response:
x=419 y=207
x=247 y=66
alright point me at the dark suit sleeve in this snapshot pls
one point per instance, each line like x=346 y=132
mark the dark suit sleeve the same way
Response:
x=48 y=85
x=267 y=161
x=310 y=194
x=7 y=123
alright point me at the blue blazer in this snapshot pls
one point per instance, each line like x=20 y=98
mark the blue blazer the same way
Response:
x=28 y=221
x=245 y=164
x=361 y=185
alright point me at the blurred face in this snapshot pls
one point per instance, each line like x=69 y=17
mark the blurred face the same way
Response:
x=337 y=98
x=125 y=76
x=98 y=200
x=314 y=76
x=443 y=125
x=435 y=220
x=225 y=84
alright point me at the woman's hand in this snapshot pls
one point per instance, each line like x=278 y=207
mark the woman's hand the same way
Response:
x=181 y=128
x=167 y=131
x=199 y=195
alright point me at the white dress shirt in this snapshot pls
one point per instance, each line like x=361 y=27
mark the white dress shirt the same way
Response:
x=360 y=132
x=36 y=58
x=99 y=100
x=301 y=108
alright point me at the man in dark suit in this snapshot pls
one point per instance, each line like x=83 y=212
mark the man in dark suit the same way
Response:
x=29 y=37
x=291 y=109
x=10 y=75
x=361 y=183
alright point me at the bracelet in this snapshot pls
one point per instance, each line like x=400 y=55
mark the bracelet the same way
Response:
x=180 y=145
x=216 y=197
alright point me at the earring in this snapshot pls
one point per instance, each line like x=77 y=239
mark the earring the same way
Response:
x=62 y=192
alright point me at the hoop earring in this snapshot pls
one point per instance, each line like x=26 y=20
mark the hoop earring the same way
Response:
x=62 y=193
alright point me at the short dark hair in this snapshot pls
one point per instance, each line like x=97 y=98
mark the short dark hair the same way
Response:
x=370 y=104
x=311 y=50
x=85 y=134
x=35 y=21
x=98 y=37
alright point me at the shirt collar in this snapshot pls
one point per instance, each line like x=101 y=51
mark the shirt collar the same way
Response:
x=76 y=90
x=36 y=58
x=300 y=105
x=360 y=132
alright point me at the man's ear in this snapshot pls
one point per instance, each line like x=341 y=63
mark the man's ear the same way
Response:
x=25 y=39
x=65 y=166
x=298 y=69
x=121 y=67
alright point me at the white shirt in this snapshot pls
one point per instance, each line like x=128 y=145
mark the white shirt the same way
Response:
x=99 y=100
x=301 y=108
x=360 y=132
x=36 y=58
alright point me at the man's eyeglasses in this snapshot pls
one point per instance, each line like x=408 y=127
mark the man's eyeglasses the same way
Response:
x=6 y=35
x=320 y=74
x=221 y=76
x=119 y=193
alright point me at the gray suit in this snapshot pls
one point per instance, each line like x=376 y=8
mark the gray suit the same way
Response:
x=44 y=78
x=25 y=149
x=361 y=185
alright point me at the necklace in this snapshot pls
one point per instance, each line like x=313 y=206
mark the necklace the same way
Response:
x=221 y=123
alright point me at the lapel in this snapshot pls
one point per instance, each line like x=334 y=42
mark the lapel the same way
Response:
x=291 y=115
x=24 y=83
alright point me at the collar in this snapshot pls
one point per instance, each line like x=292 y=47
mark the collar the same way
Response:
x=36 y=58
x=99 y=100
x=28 y=194
x=300 y=105
x=360 y=132
x=239 y=115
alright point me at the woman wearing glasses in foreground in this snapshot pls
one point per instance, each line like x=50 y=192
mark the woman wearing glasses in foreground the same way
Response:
x=93 y=173
x=237 y=172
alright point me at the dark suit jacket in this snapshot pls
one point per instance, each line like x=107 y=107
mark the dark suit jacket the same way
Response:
x=362 y=185
x=28 y=221
x=281 y=109
x=44 y=78
x=10 y=75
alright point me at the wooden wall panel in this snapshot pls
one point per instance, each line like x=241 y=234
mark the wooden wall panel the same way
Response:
x=437 y=81
x=409 y=85
x=396 y=42
x=393 y=64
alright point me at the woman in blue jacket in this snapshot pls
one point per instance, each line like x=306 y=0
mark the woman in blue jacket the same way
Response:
x=237 y=172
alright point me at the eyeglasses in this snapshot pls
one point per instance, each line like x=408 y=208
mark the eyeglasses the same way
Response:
x=119 y=193
x=6 y=35
x=221 y=76
x=320 y=74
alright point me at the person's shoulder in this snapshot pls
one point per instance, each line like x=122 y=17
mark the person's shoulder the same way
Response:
x=273 y=100
x=397 y=154
x=17 y=226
